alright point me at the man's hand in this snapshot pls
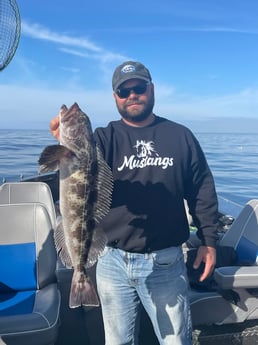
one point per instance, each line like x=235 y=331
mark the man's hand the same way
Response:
x=54 y=127
x=208 y=256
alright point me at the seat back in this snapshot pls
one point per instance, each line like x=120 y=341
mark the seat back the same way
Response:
x=243 y=234
x=27 y=252
x=26 y=192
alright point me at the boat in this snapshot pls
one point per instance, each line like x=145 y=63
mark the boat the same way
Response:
x=226 y=313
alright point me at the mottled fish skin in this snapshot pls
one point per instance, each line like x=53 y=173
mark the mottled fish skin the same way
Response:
x=85 y=198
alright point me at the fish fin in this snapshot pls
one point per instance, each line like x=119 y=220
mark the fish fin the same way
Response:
x=104 y=187
x=50 y=157
x=97 y=245
x=61 y=246
x=82 y=291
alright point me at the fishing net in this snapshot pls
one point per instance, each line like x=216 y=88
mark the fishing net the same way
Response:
x=10 y=28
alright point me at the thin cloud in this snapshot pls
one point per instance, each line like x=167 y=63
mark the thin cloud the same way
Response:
x=70 y=69
x=167 y=28
x=105 y=57
x=85 y=47
x=223 y=29
x=39 y=32
x=75 y=52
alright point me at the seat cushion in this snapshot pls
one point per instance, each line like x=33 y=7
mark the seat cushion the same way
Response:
x=27 y=249
x=18 y=267
x=22 y=328
x=247 y=252
x=16 y=302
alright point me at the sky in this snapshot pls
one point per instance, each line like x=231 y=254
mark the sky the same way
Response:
x=202 y=55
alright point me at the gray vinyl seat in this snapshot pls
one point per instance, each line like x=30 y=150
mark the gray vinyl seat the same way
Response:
x=25 y=192
x=29 y=296
x=211 y=307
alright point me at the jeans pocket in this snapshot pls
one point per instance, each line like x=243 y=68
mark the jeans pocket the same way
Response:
x=168 y=257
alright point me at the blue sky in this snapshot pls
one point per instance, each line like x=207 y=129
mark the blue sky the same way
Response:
x=203 y=57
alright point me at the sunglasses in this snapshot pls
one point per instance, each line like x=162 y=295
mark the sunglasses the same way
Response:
x=137 y=89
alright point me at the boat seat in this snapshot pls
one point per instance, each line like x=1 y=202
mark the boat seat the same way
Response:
x=243 y=232
x=29 y=296
x=243 y=237
x=211 y=307
x=21 y=192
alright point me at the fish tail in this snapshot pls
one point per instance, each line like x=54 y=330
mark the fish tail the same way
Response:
x=82 y=291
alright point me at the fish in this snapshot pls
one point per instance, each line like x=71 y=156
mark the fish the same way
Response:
x=86 y=184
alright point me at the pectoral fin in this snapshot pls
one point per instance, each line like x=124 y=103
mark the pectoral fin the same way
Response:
x=50 y=157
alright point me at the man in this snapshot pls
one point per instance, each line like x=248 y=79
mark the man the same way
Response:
x=156 y=164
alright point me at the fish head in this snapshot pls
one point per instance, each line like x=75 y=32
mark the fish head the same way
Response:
x=75 y=128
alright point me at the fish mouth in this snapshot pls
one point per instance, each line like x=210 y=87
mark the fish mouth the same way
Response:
x=66 y=114
x=66 y=117
x=72 y=123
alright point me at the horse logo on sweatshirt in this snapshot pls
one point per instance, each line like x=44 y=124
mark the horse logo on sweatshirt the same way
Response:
x=146 y=156
x=145 y=149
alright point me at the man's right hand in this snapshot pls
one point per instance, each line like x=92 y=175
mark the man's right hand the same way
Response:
x=54 y=127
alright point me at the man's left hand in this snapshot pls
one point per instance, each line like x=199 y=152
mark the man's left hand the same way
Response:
x=208 y=256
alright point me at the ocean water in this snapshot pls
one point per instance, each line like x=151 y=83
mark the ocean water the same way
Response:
x=232 y=157
x=19 y=152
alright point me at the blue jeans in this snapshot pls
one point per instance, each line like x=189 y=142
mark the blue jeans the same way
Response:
x=158 y=282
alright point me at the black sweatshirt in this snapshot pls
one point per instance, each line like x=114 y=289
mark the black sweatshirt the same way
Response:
x=155 y=168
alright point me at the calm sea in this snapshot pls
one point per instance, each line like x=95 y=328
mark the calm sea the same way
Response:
x=233 y=159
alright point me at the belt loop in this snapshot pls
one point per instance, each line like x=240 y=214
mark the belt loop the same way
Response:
x=147 y=256
x=126 y=257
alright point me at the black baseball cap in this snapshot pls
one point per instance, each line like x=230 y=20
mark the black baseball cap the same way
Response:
x=130 y=70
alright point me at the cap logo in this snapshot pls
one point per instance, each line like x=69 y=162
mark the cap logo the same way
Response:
x=128 y=69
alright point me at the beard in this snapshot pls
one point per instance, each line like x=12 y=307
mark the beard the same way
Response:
x=139 y=115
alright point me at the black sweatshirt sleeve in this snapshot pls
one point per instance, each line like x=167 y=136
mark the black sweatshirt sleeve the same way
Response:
x=201 y=196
